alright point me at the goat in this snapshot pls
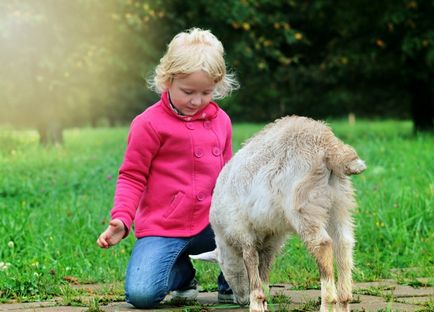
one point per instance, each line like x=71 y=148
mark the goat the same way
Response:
x=292 y=177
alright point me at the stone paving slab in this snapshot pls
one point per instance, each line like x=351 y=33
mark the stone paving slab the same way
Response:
x=408 y=291
x=415 y=300
x=377 y=284
x=50 y=309
x=368 y=297
x=374 y=303
x=25 y=306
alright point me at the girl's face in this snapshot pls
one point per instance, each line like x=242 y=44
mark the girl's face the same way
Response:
x=191 y=93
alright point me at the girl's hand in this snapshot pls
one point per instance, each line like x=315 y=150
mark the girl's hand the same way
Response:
x=112 y=235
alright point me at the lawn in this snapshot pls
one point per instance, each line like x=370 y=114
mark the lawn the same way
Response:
x=55 y=201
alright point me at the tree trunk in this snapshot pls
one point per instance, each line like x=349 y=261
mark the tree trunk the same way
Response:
x=50 y=134
x=422 y=109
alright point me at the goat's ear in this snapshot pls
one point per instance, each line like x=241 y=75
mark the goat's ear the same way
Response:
x=211 y=256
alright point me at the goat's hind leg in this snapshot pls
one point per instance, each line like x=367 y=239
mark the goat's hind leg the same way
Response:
x=343 y=253
x=258 y=301
x=320 y=245
x=343 y=243
x=309 y=217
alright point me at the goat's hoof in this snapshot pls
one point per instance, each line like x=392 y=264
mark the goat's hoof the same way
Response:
x=328 y=307
x=258 y=306
x=242 y=301
x=258 y=302
x=343 y=306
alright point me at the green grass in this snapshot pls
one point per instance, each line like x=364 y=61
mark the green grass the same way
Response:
x=54 y=202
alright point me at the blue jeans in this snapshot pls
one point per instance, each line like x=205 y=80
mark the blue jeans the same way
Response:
x=159 y=265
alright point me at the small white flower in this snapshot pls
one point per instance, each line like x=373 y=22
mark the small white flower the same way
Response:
x=11 y=244
x=35 y=264
x=4 y=266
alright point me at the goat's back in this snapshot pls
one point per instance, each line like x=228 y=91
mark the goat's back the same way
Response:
x=260 y=178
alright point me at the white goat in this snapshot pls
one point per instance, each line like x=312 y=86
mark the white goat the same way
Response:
x=291 y=177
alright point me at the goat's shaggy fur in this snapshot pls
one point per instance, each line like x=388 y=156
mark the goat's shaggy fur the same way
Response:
x=291 y=177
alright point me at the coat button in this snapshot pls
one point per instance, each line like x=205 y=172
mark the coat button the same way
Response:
x=198 y=152
x=189 y=125
x=216 y=151
x=207 y=124
x=200 y=196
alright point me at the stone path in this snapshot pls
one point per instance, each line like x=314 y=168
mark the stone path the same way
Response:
x=375 y=296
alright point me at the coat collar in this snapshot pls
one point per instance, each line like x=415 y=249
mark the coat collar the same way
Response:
x=207 y=113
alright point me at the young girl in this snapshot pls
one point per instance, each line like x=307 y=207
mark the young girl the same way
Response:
x=176 y=148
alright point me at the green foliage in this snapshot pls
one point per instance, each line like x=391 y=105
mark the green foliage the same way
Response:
x=320 y=58
x=86 y=62
x=73 y=63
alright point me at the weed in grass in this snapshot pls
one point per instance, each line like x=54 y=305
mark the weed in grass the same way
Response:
x=374 y=291
x=187 y=305
x=83 y=296
x=356 y=299
x=68 y=295
x=179 y=301
x=385 y=292
x=106 y=299
x=279 y=302
x=417 y=283
x=310 y=305
x=94 y=306
x=389 y=297
x=427 y=306
x=196 y=308
x=387 y=309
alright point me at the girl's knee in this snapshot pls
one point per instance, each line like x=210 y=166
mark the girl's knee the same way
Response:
x=143 y=298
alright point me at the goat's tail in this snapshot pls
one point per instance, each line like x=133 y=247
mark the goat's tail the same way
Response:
x=342 y=159
x=355 y=167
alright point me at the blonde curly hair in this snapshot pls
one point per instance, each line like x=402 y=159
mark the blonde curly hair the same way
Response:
x=191 y=51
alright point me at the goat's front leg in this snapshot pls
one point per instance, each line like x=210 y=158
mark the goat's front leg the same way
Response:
x=258 y=301
x=265 y=261
x=267 y=253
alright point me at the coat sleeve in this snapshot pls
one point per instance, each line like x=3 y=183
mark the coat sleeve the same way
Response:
x=143 y=145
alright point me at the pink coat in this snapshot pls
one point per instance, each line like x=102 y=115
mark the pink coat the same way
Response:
x=170 y=168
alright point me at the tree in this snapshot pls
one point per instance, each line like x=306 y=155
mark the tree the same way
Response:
x=410 y=29
x=69 y=63
x=324 y=57
x=389 y=47
x=49 y=57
